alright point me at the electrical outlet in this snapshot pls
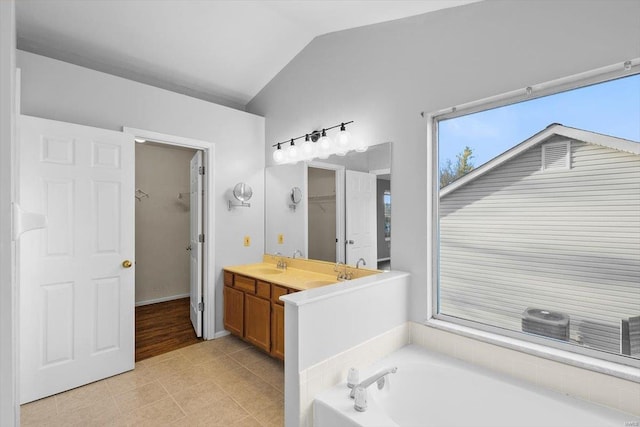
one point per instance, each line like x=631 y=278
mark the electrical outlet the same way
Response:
x=280 y=239
x=247 y=241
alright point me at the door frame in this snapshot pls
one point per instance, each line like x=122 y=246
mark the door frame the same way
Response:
x=208 y=215
x=340 y=206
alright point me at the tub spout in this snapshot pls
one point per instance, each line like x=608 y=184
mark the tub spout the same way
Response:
x=378 y=378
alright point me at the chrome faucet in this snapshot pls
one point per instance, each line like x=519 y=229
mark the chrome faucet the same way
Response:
x=344 y=274
x=378 y=378
x=297 y=252
x=361 y=260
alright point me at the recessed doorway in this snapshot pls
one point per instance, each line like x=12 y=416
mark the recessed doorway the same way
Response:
x=163 y=222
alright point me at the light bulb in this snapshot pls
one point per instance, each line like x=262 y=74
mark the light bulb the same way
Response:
x=324 y=146
x=278 y=155
x=292 y=152
x=308 y=149
x=343 y=139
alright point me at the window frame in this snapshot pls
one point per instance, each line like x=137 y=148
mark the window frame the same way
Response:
x=584 y=357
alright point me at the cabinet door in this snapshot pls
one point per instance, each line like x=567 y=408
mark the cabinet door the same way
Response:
x=233 y=310
x=277 y=331
x=257 y=321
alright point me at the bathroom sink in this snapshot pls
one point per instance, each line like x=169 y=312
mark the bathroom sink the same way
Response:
x=266 y=270
x=316 y=283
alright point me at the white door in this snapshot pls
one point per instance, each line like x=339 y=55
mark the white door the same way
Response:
x=360 y=211
x=196 y=190
x=76 y=286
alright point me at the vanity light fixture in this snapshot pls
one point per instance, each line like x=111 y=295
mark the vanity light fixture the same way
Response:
x=242 y=192
x=317 y=144
x=278 y=154
x=343 y=139
x=292 y=152
x=308 y=149
x=324 y=145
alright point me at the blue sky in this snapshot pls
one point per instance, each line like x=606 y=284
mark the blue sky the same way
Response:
x=612 y=108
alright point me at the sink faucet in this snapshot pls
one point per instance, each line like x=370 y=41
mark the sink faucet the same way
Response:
x=359 y=392
x=361 y=260
x=344 y=274
x=297 y=252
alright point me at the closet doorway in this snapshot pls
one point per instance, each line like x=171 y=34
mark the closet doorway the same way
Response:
x=167 y=218
x=175 y=256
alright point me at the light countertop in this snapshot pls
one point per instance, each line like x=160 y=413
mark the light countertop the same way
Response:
x=291 y=277
x=300 y=274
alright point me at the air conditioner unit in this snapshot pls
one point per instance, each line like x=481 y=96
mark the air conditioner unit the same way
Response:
x=546 y=323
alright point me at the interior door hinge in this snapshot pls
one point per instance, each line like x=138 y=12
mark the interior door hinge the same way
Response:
x=201 y=238
x=201 y=306
x=201 y=170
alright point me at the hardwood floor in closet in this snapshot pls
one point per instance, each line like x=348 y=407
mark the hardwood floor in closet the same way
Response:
x=163 y=327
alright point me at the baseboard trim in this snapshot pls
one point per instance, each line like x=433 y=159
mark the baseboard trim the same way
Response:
x=220 y=334
x=163 y=299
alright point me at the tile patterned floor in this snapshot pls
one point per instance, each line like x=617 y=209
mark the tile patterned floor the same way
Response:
x=223 y=382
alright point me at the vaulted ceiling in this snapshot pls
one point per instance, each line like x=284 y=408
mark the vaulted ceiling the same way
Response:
x=220 y=51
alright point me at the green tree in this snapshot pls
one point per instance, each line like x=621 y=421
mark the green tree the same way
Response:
x=450 y=172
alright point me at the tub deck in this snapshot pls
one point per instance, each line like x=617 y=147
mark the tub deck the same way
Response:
x=431 y=389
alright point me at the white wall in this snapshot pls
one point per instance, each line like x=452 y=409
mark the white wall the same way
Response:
x=9 y=410
x=162 y=222
x=382 y=76
x=61 y=91
x=360 y=310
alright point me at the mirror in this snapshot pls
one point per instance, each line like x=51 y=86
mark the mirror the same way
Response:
x=296 y=196
x=344 y=208
x=242 y=192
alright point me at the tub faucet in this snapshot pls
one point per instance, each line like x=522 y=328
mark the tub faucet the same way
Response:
x=378 y=378
x=297 y=252
x=359 y=261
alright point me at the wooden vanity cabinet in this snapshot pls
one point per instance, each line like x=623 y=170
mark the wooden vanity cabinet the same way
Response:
x=277 y=331
x=253 y=311
x=233 y=310
x=257 y=321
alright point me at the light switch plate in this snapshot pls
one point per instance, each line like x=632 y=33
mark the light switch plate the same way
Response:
x=247 y=241
x=280 y=239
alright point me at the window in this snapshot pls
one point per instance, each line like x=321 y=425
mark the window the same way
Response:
x=538 y=217
x=386 y=198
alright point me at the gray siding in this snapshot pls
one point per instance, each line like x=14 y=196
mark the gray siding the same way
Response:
x=567 y=241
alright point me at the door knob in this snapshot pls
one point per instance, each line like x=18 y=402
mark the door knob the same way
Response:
x=126 y=263
x=350 y=242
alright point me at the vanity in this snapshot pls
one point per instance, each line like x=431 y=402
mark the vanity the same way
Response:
x=253 y=310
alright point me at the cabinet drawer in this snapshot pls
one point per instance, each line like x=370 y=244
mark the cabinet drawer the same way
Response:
x=263 y=289
x=278 y=291
x=228 y=278
x=244 y=283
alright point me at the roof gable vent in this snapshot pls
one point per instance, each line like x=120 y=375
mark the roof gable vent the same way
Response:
x=556 y=156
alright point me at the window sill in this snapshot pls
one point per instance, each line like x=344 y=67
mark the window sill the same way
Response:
x=585 y=362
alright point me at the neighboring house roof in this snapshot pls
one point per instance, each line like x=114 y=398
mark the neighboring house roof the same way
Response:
x=612 y=142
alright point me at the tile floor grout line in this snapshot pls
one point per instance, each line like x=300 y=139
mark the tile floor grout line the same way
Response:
x=246 y=410
x=184 y=413
x=254 y=362
x=146 y=404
